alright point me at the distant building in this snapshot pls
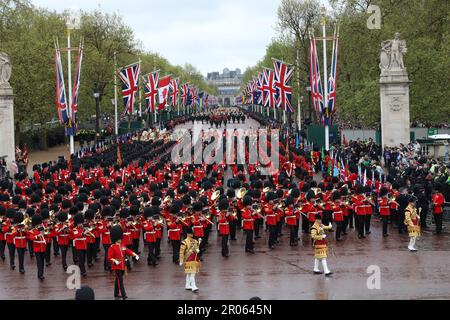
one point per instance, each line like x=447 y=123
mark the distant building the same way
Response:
x=228 y=84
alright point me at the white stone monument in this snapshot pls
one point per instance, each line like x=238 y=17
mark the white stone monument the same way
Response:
x=7 y=145
x=394 y=93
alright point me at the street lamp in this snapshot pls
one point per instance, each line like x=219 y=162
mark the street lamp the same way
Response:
x=97 y=112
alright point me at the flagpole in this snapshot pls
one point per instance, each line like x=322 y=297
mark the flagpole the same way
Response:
x=298 y=94
x=325 y=72
x=116 y=126
x=140 y=93
x=69 y=74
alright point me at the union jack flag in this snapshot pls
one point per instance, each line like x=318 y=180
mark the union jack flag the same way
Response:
x=260 y=89
x=61 y=100
x=76 y=89
x=283 y=76
x=327 y=117
x=250 y=91
x=270 y=96
x=129 y=78
x=194 y=96
x=316 y=83
x=151 y=90
x=174 y=91
x=184 y=94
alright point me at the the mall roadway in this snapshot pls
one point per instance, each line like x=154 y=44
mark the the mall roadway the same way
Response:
x=283 y=273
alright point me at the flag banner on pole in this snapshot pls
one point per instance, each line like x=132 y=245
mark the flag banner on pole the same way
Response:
x=316 y=84
x=76 y=88
x=189 y=96
x=129 y=80
x=260 y=89
x=201 y=105
x=163 y=91
x=270 y=92
x=174 y=92
x=194 y=96
x=283 y=76
x=206 y=100
x=327 y=116
x=61 y=98
x=151 y=90
x=184 y=94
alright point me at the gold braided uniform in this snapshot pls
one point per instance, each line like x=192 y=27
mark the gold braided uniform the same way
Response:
x=189 y=255
x=320 y=244
x=412 y=221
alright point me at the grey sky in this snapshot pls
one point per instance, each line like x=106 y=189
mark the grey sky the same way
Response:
x=210 y=34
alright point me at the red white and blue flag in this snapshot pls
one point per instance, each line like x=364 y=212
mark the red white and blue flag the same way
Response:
x=163 y=91
x=76 y=89
x=184 y=94
x=129 y=79
x=194 y=96
x=270 y=92
x=327 y=117
x=174 y=92
x=260 y=89
x=316 y=83
x=61 y=98
x=283 y=76
x=151 y=90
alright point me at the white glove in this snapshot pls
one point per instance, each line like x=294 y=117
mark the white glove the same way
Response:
x=136 y=257
x=116 y=262
x=330 y=225
x=181 y=264
x=324 y=236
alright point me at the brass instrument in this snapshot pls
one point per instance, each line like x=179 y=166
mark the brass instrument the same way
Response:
x=266 y=189
x=166 y=199
x=215 y=195
x=241 y=193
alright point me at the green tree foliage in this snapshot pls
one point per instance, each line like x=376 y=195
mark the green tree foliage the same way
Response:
x=425 y=25
x=27 y=35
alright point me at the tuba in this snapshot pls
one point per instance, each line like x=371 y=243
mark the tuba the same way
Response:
x=215 y=195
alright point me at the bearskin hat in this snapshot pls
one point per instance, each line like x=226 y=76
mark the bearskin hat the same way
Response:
x=62 y=217
x=78 y=218
x=198 y=206
x=295 y=193
x=247 y=201
x=36 y=220
x=116 y=233
x=18 y=217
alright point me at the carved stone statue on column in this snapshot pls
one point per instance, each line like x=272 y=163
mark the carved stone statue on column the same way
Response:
x=5 y=70
x=392 y=51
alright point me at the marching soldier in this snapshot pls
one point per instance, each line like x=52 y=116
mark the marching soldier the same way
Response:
x=385 y=210
x=36 y=234
x=338 y=215
x=248 y=224
x=271 y=219
x=412 y=221
x=189 y=257
x=320 y=245
x=20 y=239
x=224 y=225
x=438 y=202
x=78 y=235
x=117 y=257
x=150 y=236
x=62 y=237
x=174 y=232
x=291 y=219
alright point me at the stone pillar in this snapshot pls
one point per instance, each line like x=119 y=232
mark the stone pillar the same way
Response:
x=7 y=145
x=394 y=94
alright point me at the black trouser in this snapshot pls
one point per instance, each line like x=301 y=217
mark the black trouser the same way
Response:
x=158 y=247
x=257 y=226
x=30 y=248
x=385 y=220
x=232 y=229
x=400 y=220
x=90 y=253
x=438 y=222
x=119 y=289
x=345 y=224
x=292 y=237
x=359 y=224
x=12 y=254
x=81 y=255
x=367 y=223
x=97 y=247
x=136 y=245
x=74 y=255
x=48 y=249
x=176 y=250
x=327 y=217
x=40 y=258
x=249 y=240
x=297 y=226
x=106 y=264
x=305 y=224
x=55 y=246
x=225 y=245
x=423 y=217
x=21 y=255
x=351 y=218
x=2 y=248
x=64 y=255
x=279 y=227
x=272 y=235
x=339 y=228
x=151 y=253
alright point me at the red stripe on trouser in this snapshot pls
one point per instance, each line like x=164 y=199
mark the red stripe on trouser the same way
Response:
x=118 y=282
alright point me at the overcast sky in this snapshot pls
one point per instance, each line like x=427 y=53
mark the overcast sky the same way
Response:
x=210 y=34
